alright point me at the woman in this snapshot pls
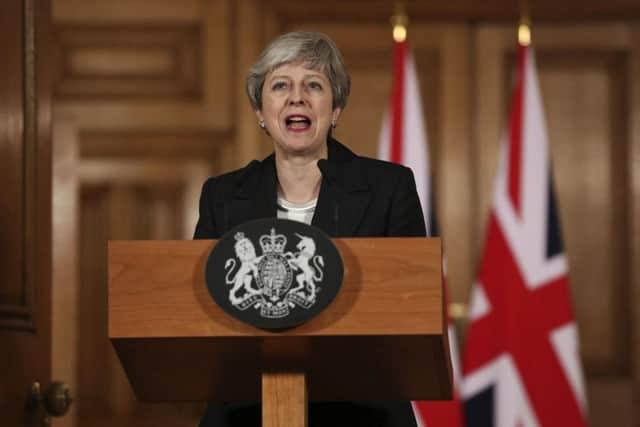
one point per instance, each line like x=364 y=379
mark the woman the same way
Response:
x=298 y=89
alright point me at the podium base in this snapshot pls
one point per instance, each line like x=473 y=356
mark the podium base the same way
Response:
x=284 y=399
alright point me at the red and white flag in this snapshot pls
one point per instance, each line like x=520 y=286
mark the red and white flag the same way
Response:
x=403 y=140
x=521 y=359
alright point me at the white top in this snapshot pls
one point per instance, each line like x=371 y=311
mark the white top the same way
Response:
x=301 y=212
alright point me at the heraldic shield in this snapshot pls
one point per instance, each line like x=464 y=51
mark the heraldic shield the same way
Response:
x=274 y=273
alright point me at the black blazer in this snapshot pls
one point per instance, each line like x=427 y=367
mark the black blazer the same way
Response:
x=359 y=197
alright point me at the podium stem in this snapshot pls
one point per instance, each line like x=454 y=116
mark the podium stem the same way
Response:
x=284 y=399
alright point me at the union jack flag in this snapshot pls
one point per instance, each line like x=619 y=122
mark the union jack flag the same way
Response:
x=403 y=140
x=521 y=362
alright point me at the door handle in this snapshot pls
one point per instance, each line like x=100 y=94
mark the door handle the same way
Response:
x=55 y=400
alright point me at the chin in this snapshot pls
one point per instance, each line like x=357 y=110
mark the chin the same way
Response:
x=301 y=148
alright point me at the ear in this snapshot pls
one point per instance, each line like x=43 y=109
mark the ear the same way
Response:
x=336 y=114
x=259 y=115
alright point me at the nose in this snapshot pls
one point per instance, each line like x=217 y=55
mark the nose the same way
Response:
x=296 y=96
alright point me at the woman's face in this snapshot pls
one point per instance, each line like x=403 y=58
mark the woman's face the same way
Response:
x=297 y=109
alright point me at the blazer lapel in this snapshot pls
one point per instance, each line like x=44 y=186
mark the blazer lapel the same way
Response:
x=255 y=197
x=339 y=213
x=344 y=193
x=343 y=199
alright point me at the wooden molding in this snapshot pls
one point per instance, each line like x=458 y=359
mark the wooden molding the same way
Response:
x=462 y=10
x=25 y=164
x=136 y=144
x=128 y=61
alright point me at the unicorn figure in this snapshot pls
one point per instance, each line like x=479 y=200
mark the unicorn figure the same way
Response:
x=303 y=261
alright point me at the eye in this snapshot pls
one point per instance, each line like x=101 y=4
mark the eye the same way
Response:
x=315 y=85
x=279 y=85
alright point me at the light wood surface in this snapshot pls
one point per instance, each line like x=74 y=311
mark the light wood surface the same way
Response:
x=153 y=294
x=176 y=343
x=284 y=399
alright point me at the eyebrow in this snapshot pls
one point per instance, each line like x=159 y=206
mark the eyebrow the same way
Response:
x=306 y=76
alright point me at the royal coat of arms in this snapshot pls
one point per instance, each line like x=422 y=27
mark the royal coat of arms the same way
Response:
x=277 y=281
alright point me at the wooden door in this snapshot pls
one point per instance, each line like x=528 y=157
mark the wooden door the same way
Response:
x=25 y=198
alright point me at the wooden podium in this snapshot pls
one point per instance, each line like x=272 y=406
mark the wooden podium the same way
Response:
x=384 y=337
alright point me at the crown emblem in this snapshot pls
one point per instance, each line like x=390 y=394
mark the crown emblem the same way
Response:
x=273 y=242
x=240 y=239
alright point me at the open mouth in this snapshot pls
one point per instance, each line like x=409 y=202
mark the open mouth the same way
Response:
x=298 y=122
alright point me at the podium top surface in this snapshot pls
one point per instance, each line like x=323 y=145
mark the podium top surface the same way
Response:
x=392 y=286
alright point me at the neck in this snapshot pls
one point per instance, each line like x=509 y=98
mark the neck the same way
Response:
x=299 y=177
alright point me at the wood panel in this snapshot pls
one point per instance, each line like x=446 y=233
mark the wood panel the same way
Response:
x=17 y=144
x=180 y=306
x=196 y=144
x=591 y=136
x=250 y=38
x=24 y=165
x=123 y=62
x=134 y=197
x=633 y=167
x=118 y=210
x=461 y=10
x=65 y=289
x=182 y=82
x=25 y=207
x=145 y=87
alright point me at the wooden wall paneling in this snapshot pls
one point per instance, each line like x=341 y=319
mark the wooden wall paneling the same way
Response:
x=25 y=161
x=17 y=138
x=451 y=148
x=126 y=11
x=271 y=26
x=209 y=108
x=489 y=118
x=620 y=231
x=144 y=151
x=64 y=309
x=634 y=209
x=218 y=65
x=105 y=397
x=25 y=206
x=134 y=144
x=92 y=365
x=164 y=220
x=467 y=10
x=129 y=62
x=164 y=175
x=127 y=199
x=195 y=176
x=163 y=197
x=584 y=83
x=249 y=42
x=590 y=239
x=122 y=222
x=139 y=172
